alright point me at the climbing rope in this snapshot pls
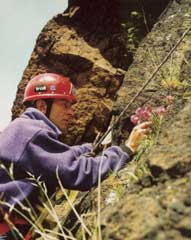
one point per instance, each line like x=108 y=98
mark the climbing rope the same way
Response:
x=99 y=141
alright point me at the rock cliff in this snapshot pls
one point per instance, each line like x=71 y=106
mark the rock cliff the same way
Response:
x=109 y=49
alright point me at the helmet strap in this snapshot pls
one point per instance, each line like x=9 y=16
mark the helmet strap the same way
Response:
x=49 y=106
x=30 y=104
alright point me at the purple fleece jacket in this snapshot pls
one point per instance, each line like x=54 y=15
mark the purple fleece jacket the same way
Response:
x=31 y=143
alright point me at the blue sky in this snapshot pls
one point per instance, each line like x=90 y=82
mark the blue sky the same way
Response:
x=21 y=22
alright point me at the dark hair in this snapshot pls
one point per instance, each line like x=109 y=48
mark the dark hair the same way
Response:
x=48 y=103
x=30 y=104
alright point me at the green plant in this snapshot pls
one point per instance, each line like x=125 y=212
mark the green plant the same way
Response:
x=132 y=29
x=29 y=214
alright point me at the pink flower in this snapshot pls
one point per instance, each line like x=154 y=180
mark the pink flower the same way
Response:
x=160 y=110
x=134 y=119
x=148 y=108
x=145 y=115
x=139 y=112
x=141 y=115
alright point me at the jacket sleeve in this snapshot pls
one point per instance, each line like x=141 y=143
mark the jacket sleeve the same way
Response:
x=44 y=154
x=14 y=192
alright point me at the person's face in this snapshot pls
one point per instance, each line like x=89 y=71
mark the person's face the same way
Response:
x=61 y=112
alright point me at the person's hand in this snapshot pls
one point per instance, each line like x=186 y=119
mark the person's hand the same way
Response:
x=137 y=135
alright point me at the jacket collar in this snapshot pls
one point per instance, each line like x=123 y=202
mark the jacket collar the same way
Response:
x=35 y=114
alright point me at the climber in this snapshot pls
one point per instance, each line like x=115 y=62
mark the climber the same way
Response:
x=31 y=146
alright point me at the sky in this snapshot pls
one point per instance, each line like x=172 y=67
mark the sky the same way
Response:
x=21 y=21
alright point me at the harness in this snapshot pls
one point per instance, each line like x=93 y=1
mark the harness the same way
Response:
x=7 y=231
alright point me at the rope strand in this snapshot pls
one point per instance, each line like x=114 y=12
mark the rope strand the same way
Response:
x=141 y=90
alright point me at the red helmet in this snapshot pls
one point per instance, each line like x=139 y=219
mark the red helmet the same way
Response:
x=49 y=85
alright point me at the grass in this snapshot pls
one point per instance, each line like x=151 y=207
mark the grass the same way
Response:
x=48 y=208
x=35 y=221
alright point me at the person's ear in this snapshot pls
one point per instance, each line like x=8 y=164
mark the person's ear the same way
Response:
x=41 y=106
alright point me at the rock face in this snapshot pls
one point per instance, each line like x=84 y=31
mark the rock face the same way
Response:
x=92 y=50
x=94 y=44
x=157 y=206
